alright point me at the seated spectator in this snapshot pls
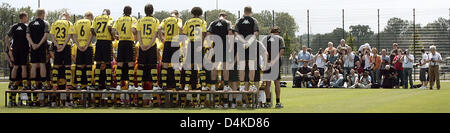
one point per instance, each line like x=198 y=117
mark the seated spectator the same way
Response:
x=358 y=68
x=337 y=80
x=301 y=77
x=388 y=80
x=364 y=82
x=332 y=57
x=352 y=79
x=314 y=80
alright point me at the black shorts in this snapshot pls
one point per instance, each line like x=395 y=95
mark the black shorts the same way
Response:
x=63 y=57
x=21 y=55
x=84 y=58
x=270 y=70
x=218 y=50
x=192 y=48
x=149 y=56
x=125 y=51
x=39 y=55
x=168 y=52
x=103 y=51
x=423 y=74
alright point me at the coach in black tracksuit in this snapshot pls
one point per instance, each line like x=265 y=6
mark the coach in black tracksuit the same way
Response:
x=246 y=31
x=19 y=48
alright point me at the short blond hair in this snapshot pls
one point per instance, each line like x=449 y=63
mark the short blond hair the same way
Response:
x=88 y=14
x=40 y=11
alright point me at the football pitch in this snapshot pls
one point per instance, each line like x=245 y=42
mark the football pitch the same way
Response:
x=299 y=100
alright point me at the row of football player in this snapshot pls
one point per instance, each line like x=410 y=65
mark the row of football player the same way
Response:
x=126 y=29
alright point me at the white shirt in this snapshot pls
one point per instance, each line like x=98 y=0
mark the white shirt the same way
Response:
x=435 y=57
x=366 y=62
x=424 y=58
x=406 y=62
x=319 y=62
x=347 y=62
x=303 y=56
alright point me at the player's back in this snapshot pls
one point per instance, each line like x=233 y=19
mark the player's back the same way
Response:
x=100 y=26
x=246 y=25
x=171 y=28
x=220 y=27
x=124 y=26
x=194 y=28
x=147 y=27
x=82 y=30
x=60 y=29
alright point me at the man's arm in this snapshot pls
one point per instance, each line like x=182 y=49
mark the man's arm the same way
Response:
x=410 y=59
x=30 y=41
x=75 y=40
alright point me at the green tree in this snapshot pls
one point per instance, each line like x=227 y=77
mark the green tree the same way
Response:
x=212 y=15
x=52 y=16
x=350 y=40
x=362 y=34
x=161 y=15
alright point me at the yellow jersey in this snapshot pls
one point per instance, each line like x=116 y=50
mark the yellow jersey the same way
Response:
x=100 y=26
x=82 y=28
x=147 y=28
x=171 y=28
x=123 y=26
x=193 y=29
x=61 y=30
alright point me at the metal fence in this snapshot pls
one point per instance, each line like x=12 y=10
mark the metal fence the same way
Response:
x=412 y=29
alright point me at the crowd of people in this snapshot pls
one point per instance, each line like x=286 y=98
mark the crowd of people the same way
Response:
x=99 y=53
x=365 y=67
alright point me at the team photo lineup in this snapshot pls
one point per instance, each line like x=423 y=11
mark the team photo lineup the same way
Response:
x=101 y=61
x=128 y=54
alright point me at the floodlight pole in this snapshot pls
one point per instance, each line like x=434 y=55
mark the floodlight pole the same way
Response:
x=343 y=24
x=414 y=38
x=307 y=24
x=378 y=35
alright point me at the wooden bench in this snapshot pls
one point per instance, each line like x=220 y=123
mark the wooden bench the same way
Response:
x=167 y=92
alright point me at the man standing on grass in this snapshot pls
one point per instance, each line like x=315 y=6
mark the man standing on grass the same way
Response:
x=274 y=58
x=408 y=60
x=424 y=76
x=434 y=59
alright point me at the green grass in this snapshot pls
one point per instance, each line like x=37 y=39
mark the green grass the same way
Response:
x=301 y=100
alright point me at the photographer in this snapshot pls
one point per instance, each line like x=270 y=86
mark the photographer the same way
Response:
x=375 y=64
x=352 y=79
x=348 y=58
x=408 y=60
x=314 y=81
x=301 y=77
x=398 y=66
x=364 y=82
x=434 y=59
x=385 y=60
x=293 y=60
x=320 y=61
x=424 y=77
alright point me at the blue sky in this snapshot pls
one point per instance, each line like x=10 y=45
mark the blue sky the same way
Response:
x=325 y=15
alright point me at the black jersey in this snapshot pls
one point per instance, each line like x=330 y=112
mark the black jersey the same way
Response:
x=18 y=34
x=246 y=26
x=220 y=27
x=273 y=40
x=37 y=29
